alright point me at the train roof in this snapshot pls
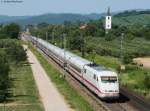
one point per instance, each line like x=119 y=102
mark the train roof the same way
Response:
x=69 y=55
x=79 y=61
x=101 y=70
x=97 y=67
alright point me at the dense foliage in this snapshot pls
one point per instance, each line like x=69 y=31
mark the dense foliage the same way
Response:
x=4 y=78
x=11 y=53
x=135 y=41
x=9 y=31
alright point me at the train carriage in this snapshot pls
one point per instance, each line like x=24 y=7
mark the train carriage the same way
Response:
x=98 y=79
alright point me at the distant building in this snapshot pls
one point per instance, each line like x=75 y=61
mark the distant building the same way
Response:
x=108 y=21
x=83 y=27
x=27 y=30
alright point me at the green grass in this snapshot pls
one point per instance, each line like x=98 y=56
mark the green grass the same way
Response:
x=24 y=93
x=137 y=46
x=75 y=99
x=134 y=80
x=106 y=61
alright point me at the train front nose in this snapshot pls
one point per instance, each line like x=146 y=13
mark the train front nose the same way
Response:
x=110 y=91
x=110 y=96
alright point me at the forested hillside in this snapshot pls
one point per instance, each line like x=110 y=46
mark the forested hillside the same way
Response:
x=132 y=18
x=49 y=18
x=135 y=39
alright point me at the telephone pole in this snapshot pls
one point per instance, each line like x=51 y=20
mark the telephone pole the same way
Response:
x=46 y=35
x=122 y=67
x=121 y=47
x=65 y=61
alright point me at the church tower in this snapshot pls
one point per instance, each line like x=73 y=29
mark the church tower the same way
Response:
x=108 y=21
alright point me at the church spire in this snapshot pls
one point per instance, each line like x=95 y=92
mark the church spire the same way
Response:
x=108 y=12
x=108 y=21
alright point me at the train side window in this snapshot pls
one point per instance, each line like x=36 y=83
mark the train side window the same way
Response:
x=94 y=76
x=84 y=70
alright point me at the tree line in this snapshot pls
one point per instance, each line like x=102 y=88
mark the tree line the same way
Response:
x=84 y=39
x=9 y=31
x=11 y=54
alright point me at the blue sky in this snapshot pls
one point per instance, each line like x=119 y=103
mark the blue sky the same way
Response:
x=36 y=7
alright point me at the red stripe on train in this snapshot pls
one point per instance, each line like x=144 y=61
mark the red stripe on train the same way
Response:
x=90 y=82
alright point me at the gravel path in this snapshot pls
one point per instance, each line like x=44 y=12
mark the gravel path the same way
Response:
x=51 y=98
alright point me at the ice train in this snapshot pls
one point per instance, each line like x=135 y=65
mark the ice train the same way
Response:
x=98 y=79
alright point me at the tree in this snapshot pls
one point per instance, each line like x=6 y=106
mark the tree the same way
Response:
x=147 y=80
x=16 y=53
x=109 y=37
x=127 y=58
x=90 y=30
x=12 y=30
x=4 y=71
x=43 y=24
x=67 y=23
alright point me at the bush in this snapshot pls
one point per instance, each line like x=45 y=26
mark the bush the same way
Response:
x=147 y=80
x=129 y=36
x=109 y=37
x=4 y=71
x=131 y=67
x=16 y=53
x=127 y=59
x=14 y=50
x=12 y=30
x=10 y=51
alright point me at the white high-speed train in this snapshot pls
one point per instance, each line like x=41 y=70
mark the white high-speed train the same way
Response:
x=98 y=79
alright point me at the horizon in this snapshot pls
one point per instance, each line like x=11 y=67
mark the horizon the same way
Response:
x=75 y=13
x=33 y=8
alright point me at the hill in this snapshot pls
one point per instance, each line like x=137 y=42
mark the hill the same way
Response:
x=5 y=19
x=49 y=18
x=132 y=18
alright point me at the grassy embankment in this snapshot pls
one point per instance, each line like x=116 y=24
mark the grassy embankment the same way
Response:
x=23 y=90
x=76 y=101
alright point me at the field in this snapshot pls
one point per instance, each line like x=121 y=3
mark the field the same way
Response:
x=135 y=47
x=24 y=94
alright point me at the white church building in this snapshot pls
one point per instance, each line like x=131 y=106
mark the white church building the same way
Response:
x=108 y=21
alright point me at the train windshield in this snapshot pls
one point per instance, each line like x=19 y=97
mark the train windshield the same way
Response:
x=109 y=79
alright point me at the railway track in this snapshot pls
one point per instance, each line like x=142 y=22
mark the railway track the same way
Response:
x=136 y=100
x=122 y=104
x=77 y=85
x=126 y=102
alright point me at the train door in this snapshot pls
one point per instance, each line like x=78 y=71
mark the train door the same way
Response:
x=83 y=73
